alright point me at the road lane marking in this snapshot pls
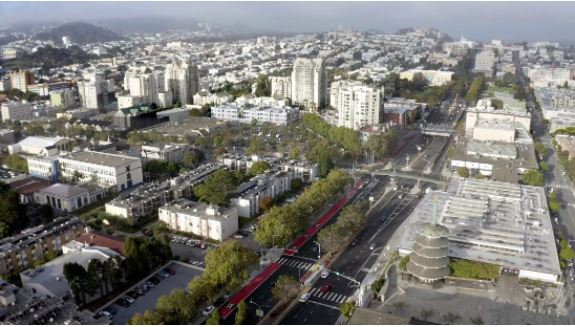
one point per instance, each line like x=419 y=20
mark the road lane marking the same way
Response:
x=323 y=304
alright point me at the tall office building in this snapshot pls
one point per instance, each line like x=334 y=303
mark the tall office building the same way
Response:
x=485 y=63
x=21 y=79
x=308 y=82
x=357 y=105
x=281 y=86
x=182 y=80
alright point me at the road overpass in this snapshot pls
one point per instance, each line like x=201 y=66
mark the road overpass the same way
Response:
x=406 y=175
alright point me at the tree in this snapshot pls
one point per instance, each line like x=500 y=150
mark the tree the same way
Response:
x=266 y=203
x=76 y=276
x=263 y=86
x=324 y=162
x=496 y=103
x=15 y=162
x=554 y=205
x=347 y=309
x=230 y=265
x=214 y=319
x=217 y=188
x=463 y=172
x=544 y=166
x=202 y=289
x=256 y=146
x=286 y=288
x=242 y=313
x=540 y=149
x=192 y=158
x=259 y=167
x=148 y=318
x=534 y=178
x=176 y=308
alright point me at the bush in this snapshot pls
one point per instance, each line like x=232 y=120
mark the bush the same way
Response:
x=403 y=263
x=534 y=178
x=463 y=172
x=377 y=285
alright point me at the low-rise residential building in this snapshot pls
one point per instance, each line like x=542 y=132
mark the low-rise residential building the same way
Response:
x=146 y=200
x=16 y=111
x=45 y=167
x=566 y=143
x=281 y=86
x=274 y=115
x=107 y=170
x=136 y=117
x=204 y=97
x=250 y=193
x=304 y=170
x=400 y=111
x=19 y=252
x=166 y=152
x=434 y=77
x=62 y=98
x=201 y=219
x=175 y=114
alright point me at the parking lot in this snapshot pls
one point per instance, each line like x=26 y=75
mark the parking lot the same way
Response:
x=183 y=274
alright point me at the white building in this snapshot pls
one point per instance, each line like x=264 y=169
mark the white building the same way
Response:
x=166 y=152
x=206 y=98
x=274 y=115
x=41 y=145
x=62 y=98
x=21 y=79
x=357 y=105
x=107 y=170
x=250 y=193
x=17 y=111
x=128 y=100
x=434 y=77
x=201 y=219
x=182 y=80
x=281 y=86
x=309 y=83
x=485 y=63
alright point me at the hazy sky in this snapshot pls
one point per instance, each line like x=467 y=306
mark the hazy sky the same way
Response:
x=475 y=20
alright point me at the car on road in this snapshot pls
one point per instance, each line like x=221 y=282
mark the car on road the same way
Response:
x=372 y=247
x=304 y=297
x=111 y=310
x=170 y=270
x=324 y=274
x=103 y=313
x=164 y=274
x=326 y=288
x=238 y=236
x=208 y=310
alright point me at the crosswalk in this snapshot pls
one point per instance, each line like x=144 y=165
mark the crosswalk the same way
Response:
x=294 y=263
x=558 y=186
x=328 y=296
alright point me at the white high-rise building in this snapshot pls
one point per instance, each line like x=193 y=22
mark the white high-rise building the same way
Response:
x=140 y=85
x=357 y=105
x=182 y=80
x=93 y=89
x=308 y=82
x=281 y=86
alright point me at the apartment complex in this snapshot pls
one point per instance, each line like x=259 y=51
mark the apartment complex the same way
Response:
x=485 y=63
x=357 y=105
x=201 y=219
x=17 y=111
x=434 y=77
x=20 y=80
x=309 y=83
x=250 y=193
x=281 y=86
x=181 y=80
x=166 y=152
x=19 y=252
x=262 y=114
x=107 y=170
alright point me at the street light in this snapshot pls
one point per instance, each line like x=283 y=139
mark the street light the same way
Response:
x=318 y=252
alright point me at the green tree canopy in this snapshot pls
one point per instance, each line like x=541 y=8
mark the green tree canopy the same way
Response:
x=259 y=167
x=286 y=288
x=230 y=265
x=217 y=188
x=534 y=178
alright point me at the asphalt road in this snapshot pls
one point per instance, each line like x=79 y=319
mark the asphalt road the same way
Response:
x=295 y=266
x=354 y=262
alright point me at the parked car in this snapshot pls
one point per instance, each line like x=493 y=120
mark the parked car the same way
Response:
x=154 y=280
x=170 y=270
x=111 y=310
x=208 y=310
x=164 y=274
x=304 y=297
x=133 y=294
x=103 y=313
x=129 y=299
x=122 y=302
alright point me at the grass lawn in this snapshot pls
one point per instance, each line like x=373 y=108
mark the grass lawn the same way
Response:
x=473 y=269
x=499 y=89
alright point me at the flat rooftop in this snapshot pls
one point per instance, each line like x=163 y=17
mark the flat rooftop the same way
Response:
x=100 y=158
x=493 y=222
x=199 y=209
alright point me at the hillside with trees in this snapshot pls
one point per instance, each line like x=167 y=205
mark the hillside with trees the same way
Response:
x=80 y=33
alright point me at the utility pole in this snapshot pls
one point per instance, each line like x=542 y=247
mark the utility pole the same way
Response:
x=318 y=252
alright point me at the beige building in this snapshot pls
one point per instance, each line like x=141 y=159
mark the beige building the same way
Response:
x=281 y=86
x=62 y=98
x=434 y=77
x=21 y=79
x=201 y=219
x=308 y=83
x=357 y=105
x=17 y=111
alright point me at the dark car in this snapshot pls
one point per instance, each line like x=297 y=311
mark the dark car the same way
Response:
x=123 y=303
x=111 y=310
x=133 y=294
x=326 y=288
x=154 y=280
x=171 y=271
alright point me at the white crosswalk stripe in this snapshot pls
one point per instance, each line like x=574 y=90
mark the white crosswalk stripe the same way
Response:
x=338 y=298
x=313 y=291
x=301 y=265
x=281 y=260
x=343 y=299
x=331 y=297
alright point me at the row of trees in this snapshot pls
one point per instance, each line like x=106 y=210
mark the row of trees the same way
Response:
x=227 y=267
x=344 y=137
x=12 y=214
x=474 y=91
x=281 y=225
x=380 y=145
x=351 y=220
x=16 y=162
x=534 y=178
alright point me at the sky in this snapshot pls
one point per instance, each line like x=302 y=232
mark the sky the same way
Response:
x=483 y=21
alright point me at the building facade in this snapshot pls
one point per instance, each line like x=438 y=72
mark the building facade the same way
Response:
x=308 y=83
x=358 y=105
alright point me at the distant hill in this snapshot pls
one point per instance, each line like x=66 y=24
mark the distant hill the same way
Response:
x=80 y=33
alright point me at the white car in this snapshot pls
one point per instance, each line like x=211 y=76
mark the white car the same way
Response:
x=129 y=299
x=324 y=274
x=372 y=247
x=304 y=297
x=208 y=310
x=105 y=313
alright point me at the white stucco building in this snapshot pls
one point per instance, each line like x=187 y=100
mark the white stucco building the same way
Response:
x=308 y=82
x=357 y=105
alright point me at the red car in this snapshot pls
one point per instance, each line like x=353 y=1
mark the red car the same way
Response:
x=170 y=270
x=326 y=288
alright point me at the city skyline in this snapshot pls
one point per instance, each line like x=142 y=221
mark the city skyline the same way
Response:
x=455 y=18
